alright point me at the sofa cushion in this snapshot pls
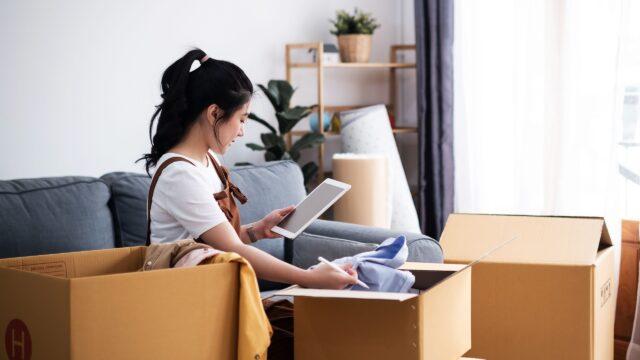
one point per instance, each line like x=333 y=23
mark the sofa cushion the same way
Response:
x=273 y=185
x=53 y=215
x=129 y=206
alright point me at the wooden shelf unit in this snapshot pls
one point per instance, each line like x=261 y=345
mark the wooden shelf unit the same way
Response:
x=320 y=66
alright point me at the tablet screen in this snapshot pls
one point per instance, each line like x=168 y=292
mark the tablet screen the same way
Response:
x=310 y=207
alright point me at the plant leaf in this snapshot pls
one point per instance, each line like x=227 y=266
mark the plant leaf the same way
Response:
x=273 y=154
x=283 y=123
x=275 y=146
x=357 y=23
x=284 y=92
x=271 y=140
x=256 y=118
x=253 y=146
x=273 y=98
x=273 y=89
x=269 y=156
x=297 y=112
x=309 y=140
x=294 y=155
x=309 y=171
x=289 y=118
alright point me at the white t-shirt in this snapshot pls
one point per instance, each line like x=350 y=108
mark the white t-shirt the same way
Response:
x=183 y=205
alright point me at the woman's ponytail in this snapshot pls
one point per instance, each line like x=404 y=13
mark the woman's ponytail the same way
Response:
x=175 y=79
x=185 y=94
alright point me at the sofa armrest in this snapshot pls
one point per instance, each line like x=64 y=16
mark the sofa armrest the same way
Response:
x=333 y=239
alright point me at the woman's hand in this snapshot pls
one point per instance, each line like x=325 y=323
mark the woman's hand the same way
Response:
x=324 y=276
x=262 y=228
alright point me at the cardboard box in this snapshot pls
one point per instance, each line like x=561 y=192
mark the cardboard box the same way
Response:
x=95 y=305
x=343 y=324
x=549 y=294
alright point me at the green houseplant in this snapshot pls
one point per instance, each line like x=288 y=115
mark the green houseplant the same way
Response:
x=279 y=93
x=354 y=34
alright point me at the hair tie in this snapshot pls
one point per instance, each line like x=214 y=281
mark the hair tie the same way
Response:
x=201 y=61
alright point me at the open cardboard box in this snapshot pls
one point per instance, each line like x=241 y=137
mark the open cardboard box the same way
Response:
x=549 y=294
x=343 y=324
x=96 y=305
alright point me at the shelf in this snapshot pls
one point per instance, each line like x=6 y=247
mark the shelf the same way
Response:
x=370 y=65
x=357 y=65
x=392 y=66
x=339 y=108
x=405 y=130
x=400 y=130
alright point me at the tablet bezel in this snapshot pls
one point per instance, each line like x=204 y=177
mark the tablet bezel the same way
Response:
x=288 y=234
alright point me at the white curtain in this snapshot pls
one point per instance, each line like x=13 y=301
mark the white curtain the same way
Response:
x=537 y=103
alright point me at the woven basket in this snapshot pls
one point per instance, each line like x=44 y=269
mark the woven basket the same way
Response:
x=355 y=47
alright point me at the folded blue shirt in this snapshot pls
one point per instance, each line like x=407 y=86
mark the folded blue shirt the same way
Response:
x=378 y=268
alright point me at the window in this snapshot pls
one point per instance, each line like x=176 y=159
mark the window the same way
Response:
x=629 y=145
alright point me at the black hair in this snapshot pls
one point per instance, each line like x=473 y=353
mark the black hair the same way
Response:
x=186 y=93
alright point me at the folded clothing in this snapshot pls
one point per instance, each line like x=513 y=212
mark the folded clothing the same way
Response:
x=379 y=268
x=196 y=257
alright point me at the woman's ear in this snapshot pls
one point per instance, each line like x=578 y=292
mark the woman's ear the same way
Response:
x=213 y=114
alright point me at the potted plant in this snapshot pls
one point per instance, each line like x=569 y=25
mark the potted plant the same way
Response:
x=354 y=34
x=279 y=93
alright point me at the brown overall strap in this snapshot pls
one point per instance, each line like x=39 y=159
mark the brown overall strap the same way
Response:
x=154 y=181
x=237 y=193
x=219 y=170
x=226 y=182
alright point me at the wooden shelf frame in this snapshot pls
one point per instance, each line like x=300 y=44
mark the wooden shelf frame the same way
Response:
x=356 y=65
x=393 y=65
x=398 y=130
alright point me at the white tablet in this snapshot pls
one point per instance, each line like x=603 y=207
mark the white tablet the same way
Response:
x=309 y=209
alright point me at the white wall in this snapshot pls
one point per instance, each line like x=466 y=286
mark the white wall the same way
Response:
x=79 y=79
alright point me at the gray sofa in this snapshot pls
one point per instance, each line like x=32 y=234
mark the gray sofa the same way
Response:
x=62 y=214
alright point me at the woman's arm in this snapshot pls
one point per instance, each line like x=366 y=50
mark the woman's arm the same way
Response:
x=223 y=237
x=262 y=229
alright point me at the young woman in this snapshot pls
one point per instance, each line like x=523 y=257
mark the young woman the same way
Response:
x=191 y=196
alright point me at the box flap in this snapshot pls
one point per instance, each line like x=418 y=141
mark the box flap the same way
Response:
x=429 y=274
x=81 y=263
x=343 y=294
x=539 y=239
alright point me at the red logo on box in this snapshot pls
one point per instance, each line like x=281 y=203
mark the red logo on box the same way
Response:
x=17 y=340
